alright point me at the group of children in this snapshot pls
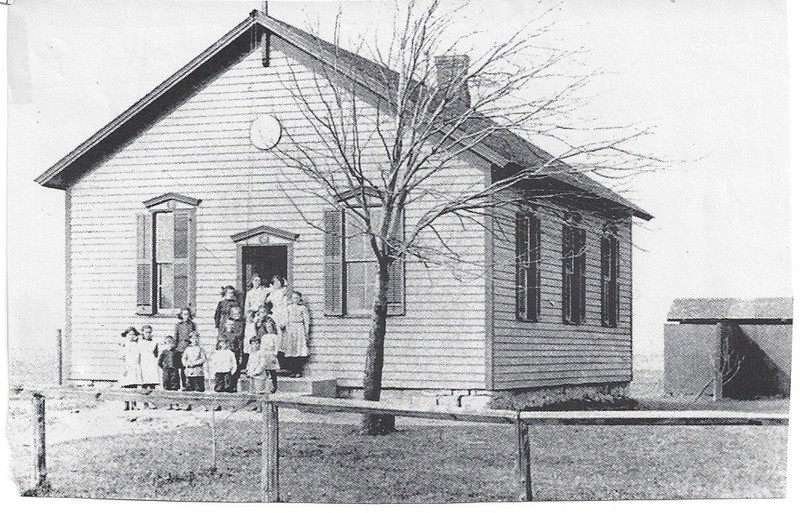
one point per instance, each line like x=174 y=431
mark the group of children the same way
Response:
x=247 y=349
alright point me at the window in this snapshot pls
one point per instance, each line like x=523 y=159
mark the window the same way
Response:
x=165 y=256
x=351 y=268
x=360 y=265
x=573 y=297
x=528 y=274
x=609 y=280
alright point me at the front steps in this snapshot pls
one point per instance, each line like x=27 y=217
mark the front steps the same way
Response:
x=307 y=386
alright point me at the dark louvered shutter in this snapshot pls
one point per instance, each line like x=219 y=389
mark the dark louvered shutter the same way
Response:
x=567 y=273
x=333 y=271
x=580 y=273
x=521 y=259
x=183 y=245
x=615 y=284
x=396 y=297
x=396 y=294
x=144 y=264
x=533 y=277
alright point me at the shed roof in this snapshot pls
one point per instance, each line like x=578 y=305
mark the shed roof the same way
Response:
x=710 y=309
x=502 y=147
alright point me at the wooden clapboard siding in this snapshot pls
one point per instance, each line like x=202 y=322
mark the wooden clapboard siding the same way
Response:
x=549 y=352
x=202 y=149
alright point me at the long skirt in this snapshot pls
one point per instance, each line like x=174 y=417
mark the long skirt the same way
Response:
x=295 y=342
x=249 y=332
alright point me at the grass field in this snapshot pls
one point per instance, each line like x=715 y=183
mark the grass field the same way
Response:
x=157 y=457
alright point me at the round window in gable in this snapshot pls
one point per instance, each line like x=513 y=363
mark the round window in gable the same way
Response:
x=265 y=132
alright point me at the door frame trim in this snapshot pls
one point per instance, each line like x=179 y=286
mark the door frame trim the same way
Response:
x=288 y=244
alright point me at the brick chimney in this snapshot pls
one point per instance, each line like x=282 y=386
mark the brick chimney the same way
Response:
x=450 y=72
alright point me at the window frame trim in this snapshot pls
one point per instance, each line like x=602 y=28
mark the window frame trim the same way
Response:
x=612 y=240
x=367 y=313
x=529 y=215
x=166 y=204
x=577 y=287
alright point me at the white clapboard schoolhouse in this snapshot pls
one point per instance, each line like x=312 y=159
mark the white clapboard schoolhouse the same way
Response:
x=171 y=200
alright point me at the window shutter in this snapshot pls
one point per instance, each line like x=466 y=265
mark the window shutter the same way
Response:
x=580 y=272
x=566 y=273
x=533 y=276
x=521 y=258
x=615 y=285
x=144 y=264
x=332 y=223
x=183 y=258
x=396 y=295
x=605 y=281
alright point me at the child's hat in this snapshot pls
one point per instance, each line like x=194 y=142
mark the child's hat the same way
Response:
x=129 y=330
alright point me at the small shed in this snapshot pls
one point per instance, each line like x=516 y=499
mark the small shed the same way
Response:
x=727 y=347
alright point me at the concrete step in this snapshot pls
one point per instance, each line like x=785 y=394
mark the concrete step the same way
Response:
x=307 y=386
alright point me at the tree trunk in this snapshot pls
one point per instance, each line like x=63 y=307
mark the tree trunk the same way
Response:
x=373 y=368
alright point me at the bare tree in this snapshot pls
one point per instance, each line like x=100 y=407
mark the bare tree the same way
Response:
x=385 y=137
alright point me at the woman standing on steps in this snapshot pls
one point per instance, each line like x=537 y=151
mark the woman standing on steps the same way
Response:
x=278 y=295
x=298 y=332
x=255 y=298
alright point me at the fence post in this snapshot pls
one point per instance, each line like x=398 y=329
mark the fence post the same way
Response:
x=524 y=461
x=213 y=441
x=269 y=453
x=60 y=348
x=40 y=483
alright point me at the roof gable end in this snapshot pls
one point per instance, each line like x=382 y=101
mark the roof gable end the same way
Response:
x=502 y=149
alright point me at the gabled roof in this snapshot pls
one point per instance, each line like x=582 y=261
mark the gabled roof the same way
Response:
x=720 y=309
x=502 y=148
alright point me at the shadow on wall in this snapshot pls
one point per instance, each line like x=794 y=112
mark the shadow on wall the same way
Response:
x=758 y=375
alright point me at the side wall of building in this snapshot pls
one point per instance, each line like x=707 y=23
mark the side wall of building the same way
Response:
x=549 y=352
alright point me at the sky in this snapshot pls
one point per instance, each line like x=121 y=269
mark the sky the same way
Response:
x=710 y=78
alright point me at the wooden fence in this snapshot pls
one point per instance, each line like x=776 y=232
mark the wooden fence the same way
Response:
x=270 y=407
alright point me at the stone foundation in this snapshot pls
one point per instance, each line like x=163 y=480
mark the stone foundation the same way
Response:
x=498 y=399
x=551 y=396
x=470 y=399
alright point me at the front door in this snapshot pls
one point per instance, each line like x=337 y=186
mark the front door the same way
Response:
x=266 y=261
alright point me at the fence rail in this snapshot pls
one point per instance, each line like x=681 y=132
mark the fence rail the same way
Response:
x=270 y=406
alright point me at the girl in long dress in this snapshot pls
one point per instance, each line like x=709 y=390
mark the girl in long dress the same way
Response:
x=254 y=298
x=279 y=297
x=148 y=360
x=298 y=331
x=131 y=372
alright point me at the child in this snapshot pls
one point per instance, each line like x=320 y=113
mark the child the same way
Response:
x=193 y=360
x=223 y=307
x=223 y=366
x=131 y=376
x=263 y=324
x=148 y=359
x=278 y=297
x=263 y=364
x=183 y=329
x=234 y=324
x=169 y=361
x=148 y=351
x=234 y=334
x=298 y=330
